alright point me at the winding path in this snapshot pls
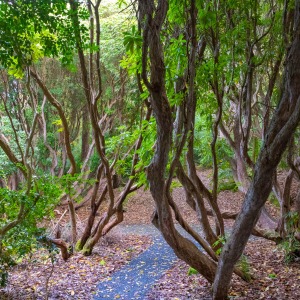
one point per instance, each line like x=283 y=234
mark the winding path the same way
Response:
x=135 y=279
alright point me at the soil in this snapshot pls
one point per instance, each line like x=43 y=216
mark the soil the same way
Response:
x=77 y=278
x=273 y=278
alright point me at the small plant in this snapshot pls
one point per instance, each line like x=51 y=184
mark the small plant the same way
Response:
x=290 y=245
x=272 y=276
x=244 y=266
x=218 y=245
x=102 y=262
x=174 y=185
x=274 y=200
x=20 y=212
x=226 y=180
x=228 y=185
x=5 y=263
x=192 y=271
x=50 y=254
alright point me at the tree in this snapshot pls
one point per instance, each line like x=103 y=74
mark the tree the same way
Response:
x=283 y=124
x=188 y=69
x=169 y=153
x=25 y=199
x=151 y=19
x=45 y=38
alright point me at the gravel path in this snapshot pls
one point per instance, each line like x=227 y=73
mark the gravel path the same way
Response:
x=135 y=279
x=138 y=229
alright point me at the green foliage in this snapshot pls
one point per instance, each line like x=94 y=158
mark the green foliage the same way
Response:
x=175 y=184
x=30 y=31
x=203 y=155
x=192 y=271
x=176 y=63
x=5 y=263
x=42 y=154
x=226 y=180
x=6 y=129
x=254 y=151
x=123 y=142
x=273 y=199
x=203 y=138
x=121 y=3
x=38 y=203
x=117 y=29
x=102 y=262
x=132 y=39
x=66 y=183
x=272 y=275
x=219 y=243
x=290 y=245
x=244 y=266
x=114 y=26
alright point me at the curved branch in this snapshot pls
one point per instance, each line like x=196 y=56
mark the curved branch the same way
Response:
x=62 y=116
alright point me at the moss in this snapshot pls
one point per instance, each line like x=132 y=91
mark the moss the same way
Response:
x=86 y=251
x=78 y=245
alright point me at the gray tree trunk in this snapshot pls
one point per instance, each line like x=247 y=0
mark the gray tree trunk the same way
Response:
x=282 y=126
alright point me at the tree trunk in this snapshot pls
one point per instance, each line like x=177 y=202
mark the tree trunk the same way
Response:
x=282 y=126
x=94 y=208
x=72 y=220
x=152 y=19
x=285 y=205
x=85 y=134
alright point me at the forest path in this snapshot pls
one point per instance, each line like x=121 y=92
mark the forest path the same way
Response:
x=135 y=279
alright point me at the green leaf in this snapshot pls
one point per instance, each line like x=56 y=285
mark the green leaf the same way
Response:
x=102 y=262
x=192 y=271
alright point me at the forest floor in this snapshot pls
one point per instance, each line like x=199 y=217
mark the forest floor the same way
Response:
x=42 y=274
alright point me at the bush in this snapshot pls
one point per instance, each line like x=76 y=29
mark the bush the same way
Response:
x=37 y=203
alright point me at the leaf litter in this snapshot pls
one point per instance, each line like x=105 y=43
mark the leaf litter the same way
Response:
x=78 y=277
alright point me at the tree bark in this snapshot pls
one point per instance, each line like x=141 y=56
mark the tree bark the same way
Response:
x=62 y=116
x=151 y=19
x=282 y=126
x=85 y=134
x=63 y=246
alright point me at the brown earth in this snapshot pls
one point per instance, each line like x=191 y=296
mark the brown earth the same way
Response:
x=77 y=278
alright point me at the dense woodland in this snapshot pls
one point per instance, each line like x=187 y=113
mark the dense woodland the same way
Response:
x=103 y=95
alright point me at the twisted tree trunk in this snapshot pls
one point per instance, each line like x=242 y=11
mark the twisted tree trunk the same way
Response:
x=283 y=124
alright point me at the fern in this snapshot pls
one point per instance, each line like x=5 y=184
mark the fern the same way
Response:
x=244 y=266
